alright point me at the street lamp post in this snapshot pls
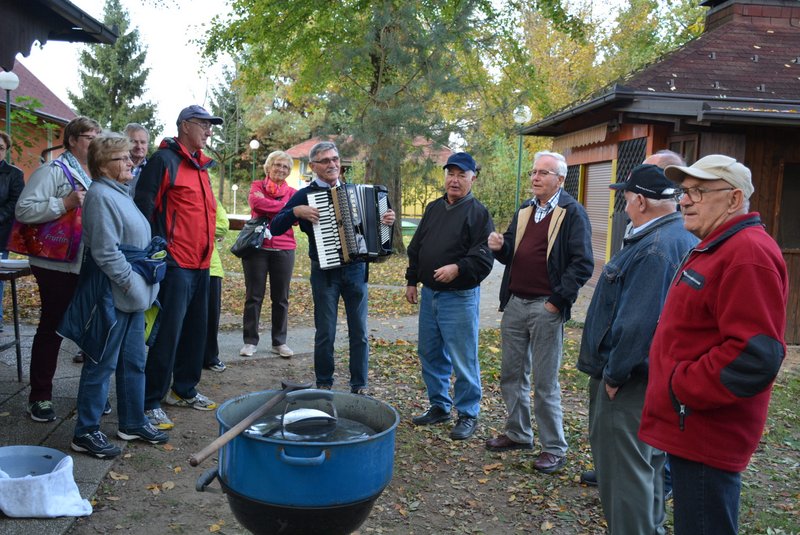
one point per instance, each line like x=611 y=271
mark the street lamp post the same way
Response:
x=8 y=81
x=254 y=144
x=234 y=188
x=522 y=114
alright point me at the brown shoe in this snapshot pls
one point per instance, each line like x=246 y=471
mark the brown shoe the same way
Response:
x=503 y=443
x=547 y=463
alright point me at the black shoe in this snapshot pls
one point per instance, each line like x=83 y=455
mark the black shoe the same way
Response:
x=147 y=432
x=434 y=415
x=42 y=411
x=324 y=387
x=464 y=428
x=589 y=477
x=95 y=443
x=359 y=390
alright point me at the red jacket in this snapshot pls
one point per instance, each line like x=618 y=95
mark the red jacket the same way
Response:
x=267 y=199
x=174 y=194
x=718 y=347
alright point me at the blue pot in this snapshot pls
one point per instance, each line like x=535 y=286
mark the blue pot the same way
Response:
x=291 y=474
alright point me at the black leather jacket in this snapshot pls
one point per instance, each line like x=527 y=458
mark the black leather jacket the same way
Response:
x=11 y=184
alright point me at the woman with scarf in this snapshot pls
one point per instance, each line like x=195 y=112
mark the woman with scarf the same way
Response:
x=47 y=196
x=275 y=259
x=118 y=282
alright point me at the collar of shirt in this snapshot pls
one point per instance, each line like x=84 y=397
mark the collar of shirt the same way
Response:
x=323 y=184
x=549 y=206
x=635 y=230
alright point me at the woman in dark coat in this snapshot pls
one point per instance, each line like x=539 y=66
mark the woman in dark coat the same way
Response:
x=11 y=184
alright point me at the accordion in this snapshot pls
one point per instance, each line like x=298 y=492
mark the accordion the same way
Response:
x=349 y=226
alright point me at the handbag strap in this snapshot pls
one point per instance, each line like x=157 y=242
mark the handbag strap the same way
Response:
x=67 y=172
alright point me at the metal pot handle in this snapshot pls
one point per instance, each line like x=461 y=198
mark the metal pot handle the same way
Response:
x=302 y=461
x=308 y=395
x=206 y=478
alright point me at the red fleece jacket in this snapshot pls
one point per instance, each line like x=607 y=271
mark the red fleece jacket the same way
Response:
x=718 y=347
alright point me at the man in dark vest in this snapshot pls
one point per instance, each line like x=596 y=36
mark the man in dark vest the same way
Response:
x=547 y=251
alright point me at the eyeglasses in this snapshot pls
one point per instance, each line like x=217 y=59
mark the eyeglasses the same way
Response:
x=280 y=166
x=326 y=161
x=122 y=159
x=542 y=172
x=204 y=126
x=696 y=193
x=87 y=136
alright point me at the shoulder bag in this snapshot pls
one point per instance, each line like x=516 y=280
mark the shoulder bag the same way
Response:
x=57 y=240
x=251 y=237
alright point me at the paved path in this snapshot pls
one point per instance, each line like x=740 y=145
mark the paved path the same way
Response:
x=16 y=428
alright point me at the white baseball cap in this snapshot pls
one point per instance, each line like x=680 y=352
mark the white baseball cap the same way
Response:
x=715 y=167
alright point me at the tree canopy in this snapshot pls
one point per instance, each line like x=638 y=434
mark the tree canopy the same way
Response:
x=380 y=73
x=113 y=77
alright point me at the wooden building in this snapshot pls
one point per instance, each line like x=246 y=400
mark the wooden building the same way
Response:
x=734 y=90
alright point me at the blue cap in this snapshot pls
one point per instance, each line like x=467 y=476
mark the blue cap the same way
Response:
x=462 y=160
x=197 y=112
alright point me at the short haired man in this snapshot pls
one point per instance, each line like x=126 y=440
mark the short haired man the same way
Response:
x=619 y=325
x=349 y=281
x=140 y=138
x=718 y=346
x=174 y=193
x=664 y=157
x=547 y=251
x=449 y=256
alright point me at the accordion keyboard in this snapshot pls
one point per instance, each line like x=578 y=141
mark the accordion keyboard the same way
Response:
x=326 y=230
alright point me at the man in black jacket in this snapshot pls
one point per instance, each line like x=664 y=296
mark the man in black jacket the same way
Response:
x=449 y=256
x=547 y=251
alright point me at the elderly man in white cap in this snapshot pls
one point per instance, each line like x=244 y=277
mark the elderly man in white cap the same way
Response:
x=718 y=346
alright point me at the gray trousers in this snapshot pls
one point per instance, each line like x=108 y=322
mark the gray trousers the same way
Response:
x=630 y=473
x=532 y=341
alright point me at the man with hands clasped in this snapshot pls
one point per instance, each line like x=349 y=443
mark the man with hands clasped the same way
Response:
x=449 y=256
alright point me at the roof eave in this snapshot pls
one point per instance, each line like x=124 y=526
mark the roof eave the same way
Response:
x=545 y=126
x=85 y=29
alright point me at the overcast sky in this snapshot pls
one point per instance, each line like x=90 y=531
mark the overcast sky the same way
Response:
x=178 y=76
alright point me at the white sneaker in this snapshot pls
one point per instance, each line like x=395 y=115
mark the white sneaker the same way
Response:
x=283 y=350
x=199 y=401
x=248 y=350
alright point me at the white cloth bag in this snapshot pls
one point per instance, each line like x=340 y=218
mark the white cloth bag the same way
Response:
x=43 y=496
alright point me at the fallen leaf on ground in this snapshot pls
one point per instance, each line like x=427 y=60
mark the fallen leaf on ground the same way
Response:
x=117 y=477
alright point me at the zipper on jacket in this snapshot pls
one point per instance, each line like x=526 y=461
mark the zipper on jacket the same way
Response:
x=681 y=416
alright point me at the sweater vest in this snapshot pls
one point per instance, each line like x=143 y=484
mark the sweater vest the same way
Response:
x=529 y=278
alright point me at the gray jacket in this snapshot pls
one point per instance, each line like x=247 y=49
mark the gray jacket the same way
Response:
x=111 y=219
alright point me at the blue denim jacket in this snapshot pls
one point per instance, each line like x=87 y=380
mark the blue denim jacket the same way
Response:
x=627 y=301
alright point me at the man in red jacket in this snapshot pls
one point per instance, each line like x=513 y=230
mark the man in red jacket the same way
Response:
x=718 y=346
x=174 y=193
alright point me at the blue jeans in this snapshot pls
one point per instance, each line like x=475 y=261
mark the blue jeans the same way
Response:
x=179 y=348
x=706 y=499
x=125 y=355
x=349 y=282
x=448 y=343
